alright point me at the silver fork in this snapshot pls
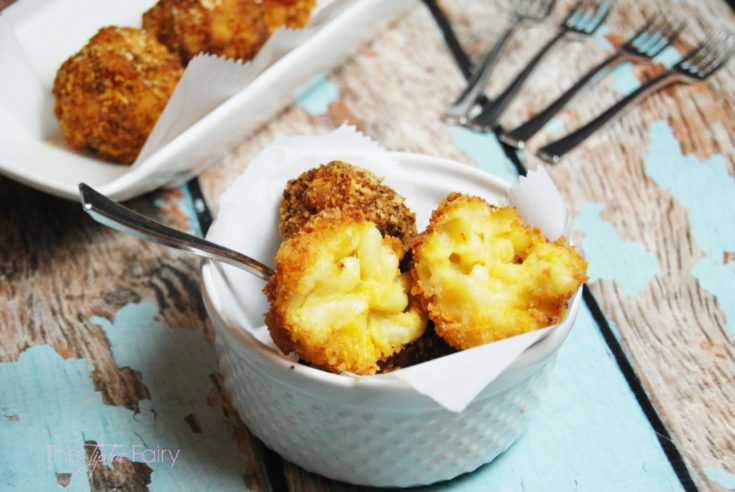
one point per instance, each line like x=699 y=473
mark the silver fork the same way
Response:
x=656 y=35
x=121 y=218
x=524 y=11
x=584 y=19
x=696 y=66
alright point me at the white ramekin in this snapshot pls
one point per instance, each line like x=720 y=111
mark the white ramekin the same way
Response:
x=370 y=431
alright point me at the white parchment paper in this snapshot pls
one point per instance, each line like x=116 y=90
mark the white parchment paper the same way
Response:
x=36 y=36
x=247 y=221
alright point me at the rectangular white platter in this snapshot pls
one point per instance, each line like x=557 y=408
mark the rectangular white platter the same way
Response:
x=43 y=33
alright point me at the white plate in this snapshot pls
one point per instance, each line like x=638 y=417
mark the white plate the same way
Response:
x=32 y=150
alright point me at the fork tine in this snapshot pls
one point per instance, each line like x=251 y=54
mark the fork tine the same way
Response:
x=665 y=34
x=653 y=37
x=521 y=7
x=720 y=65
x=536 y=9
x=585 y=16
x=549 y=5
x=643 y=31
x=573 y=13
x=602 y=13
x=674 y=35
x=658 y=33
x=707 y=54
x=720 y=57
x=694 y=54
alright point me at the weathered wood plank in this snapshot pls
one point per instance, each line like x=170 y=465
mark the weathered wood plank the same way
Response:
x=687 y=370
x=674 y=330
x=65 y=280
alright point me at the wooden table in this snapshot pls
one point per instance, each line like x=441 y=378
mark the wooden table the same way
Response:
x=105 y=339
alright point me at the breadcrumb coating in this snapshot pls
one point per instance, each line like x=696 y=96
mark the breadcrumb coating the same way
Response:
x=234 y=29
x=337 y=297
x=109 y=95
x=289 y=13
x=481 y=274
x=338 y=185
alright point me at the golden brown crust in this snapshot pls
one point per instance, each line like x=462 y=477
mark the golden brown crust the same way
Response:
x=289 y=13
x=481 y=275
x=110 y=94
x=338 y=185
x=233 y=29
x=305 y=289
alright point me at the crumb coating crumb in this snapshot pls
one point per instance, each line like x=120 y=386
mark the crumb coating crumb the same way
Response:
x=290 y=13
x=338 y=185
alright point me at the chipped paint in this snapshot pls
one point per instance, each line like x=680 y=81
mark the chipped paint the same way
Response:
x=721 y=477
x=585 y=435
x=625 y=80
x=556 y=125
x=315 y=99
x=485 y=151
x=601 y=37
x=610 y=258
x=705 y=188
x=58 y=409
x=669 y=56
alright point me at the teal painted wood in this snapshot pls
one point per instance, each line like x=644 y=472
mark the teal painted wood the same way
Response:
x=55 y=409
x=588 y=434
x=317 y=96
x=707 y=190
x=610 y=257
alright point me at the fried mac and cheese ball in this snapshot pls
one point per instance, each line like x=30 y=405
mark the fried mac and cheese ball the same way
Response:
x=289 y=13
x=338 y=185
x=231 y=28
x=482 y=275
x=108 y=96
x=338 y=298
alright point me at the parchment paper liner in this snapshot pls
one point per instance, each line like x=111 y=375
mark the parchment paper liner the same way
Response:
x=53 y=30
x=249 y=214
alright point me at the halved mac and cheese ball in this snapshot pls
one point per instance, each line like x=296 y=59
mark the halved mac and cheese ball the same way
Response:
x=338 y=298
x=482 y=275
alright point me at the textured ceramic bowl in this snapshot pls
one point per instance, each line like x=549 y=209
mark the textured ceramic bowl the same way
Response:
x=370 y=431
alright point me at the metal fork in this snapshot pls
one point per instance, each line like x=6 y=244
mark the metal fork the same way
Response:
x=696 y=66
x=656 y=35
x=524 y=11
x=121 y=218
x=584 y=19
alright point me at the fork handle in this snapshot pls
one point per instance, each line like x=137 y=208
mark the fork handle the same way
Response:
x=119 y=217
x=519 y=135
x=492 y=111
x=457 y=112
x=554 y=151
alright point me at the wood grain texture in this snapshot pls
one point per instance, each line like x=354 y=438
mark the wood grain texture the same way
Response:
x=674 y=332
x=66 y=269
